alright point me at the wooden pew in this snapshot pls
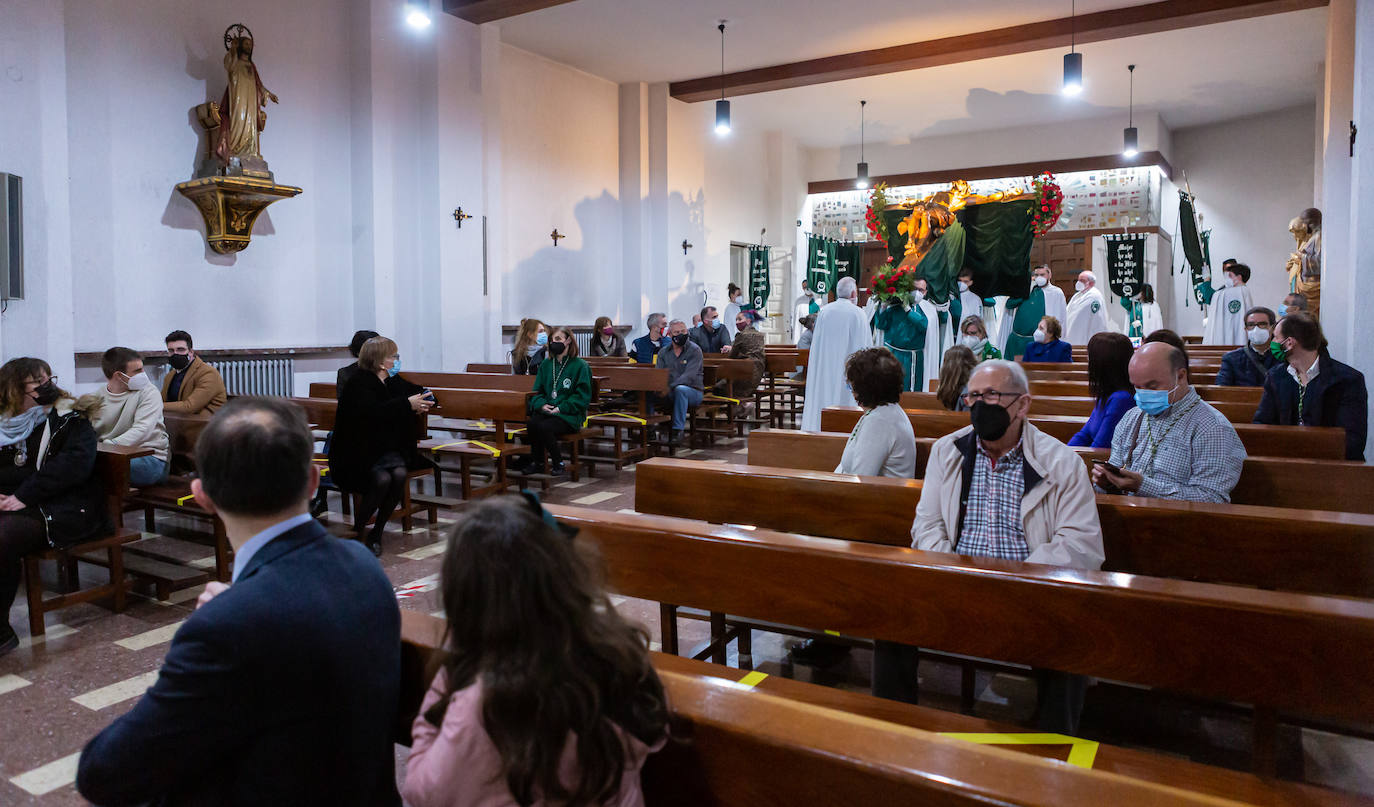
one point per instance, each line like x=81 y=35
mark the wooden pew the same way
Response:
x=1312 y=551
x=1221 y=642
x=720 y=715
x=1261 y=440
x=496 y=407
x=1336 y=485
x=1211 y=393
x=781 y=396
x=641 y=381
x=508 y=381
x=1073 y=406
x=112 y=468
x=490 y=368
x=704 y=421
x=1197 y=365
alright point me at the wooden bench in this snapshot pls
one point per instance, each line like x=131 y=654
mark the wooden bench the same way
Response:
x=716 y=369
x=112 y=468
x=1210 y=393
x=640 y=381
x=1220 y=642
x=720 y=710
x=490 y=368
x=782 y=396
x=1336 y=485
x=1073 y=406
x=1312 y=442
x=1197 y=365
x=492 y=410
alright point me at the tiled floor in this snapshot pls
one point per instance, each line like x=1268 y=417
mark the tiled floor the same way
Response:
x=55 y=693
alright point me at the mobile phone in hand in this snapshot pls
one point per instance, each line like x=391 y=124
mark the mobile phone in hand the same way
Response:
x=1106 y=484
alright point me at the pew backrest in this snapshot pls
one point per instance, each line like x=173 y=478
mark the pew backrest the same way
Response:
x=490 y=368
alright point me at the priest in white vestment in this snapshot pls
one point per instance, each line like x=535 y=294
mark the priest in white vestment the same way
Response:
x=1087 y=312
x=1226 y=314
x=841 y=330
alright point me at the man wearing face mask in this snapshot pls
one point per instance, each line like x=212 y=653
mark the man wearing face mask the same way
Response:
x=1291 y=303
x=906 y=330
x=130 y=414
x=1087 y=311
x=1226 y=314
x=1247 y=366
x=192 y=387
x=710 y=335
x=1309 y=388
x=647 y=347
x=970 y=304
x=1173 y=445
x=1055 y=304
x=805 y=306
x=683 y=360
x=1001 y=488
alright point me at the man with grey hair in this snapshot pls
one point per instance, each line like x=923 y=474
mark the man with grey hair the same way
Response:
x=841 y=330
x=1173 y=445
x=1087 y=312
x=683 y=360
x=1291 y=303
x=646 y=348
x=1001 y=488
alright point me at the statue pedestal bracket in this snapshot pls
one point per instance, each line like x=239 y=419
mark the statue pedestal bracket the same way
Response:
x=230 y=205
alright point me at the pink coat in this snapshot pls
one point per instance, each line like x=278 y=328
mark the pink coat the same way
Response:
x=457 y=764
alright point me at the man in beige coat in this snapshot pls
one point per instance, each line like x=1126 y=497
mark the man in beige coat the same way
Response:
x=191 y=387
x=1002 y=488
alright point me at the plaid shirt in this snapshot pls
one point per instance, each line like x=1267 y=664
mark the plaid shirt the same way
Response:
x=992 y=520
x=1190 y=451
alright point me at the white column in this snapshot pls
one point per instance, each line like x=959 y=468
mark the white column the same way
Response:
x=635 y=302
x=492 y=195
x=655 y=271
x=1359 y=344
x=1338 y=302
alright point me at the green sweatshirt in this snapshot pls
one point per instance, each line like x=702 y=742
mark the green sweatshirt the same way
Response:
x=574 y=390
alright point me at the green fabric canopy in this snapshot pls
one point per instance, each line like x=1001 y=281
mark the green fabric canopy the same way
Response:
x=998 y=245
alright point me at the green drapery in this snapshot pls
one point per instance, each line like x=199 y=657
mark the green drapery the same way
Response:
x=760 y=286
x=1195 y=251
x=849 y=260
x=998 y=245
x=940 y=267
x=820 y=264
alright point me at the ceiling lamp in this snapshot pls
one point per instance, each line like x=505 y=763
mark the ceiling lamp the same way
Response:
x=722 y=106
x=862 y=173
x=417 y=15
x=1131 y=136
x=1073 y=61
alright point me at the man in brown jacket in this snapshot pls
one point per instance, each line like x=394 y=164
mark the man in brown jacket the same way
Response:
x=193 y=387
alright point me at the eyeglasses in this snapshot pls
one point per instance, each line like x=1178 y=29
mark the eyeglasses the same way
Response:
x=992 y=396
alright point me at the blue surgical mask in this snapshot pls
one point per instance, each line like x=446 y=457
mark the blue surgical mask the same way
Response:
x=1283 y=310
x=542 y=339
x=1153 y=401
x=395 y=368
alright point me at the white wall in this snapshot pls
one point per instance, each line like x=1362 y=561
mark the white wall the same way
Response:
x=1251 y=177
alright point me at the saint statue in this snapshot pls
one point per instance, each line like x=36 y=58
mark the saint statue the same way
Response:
x=931 y=216
x=1305 y=264
x=241 y=113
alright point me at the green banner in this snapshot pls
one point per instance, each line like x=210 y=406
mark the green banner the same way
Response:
x=760 y=287
x=1195 y=251
x=849 y=260
x=820 y=264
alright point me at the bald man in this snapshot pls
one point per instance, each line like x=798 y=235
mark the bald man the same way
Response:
x=1173 y=445
x=1087 y=314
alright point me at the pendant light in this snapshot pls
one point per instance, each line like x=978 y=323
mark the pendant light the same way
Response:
x=1073 y=60
x=1131 y=136
x=862 y=173
x=722 y=106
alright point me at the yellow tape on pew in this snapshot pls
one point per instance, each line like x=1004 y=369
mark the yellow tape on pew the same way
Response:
x=641 y=421
x=181 y=502
x=495 y=452
x=752 y=680
x=1082 y=753
x=715 y=397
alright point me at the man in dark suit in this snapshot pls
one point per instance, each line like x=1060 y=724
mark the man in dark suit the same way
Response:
x=1247 y=366
x=282 y=687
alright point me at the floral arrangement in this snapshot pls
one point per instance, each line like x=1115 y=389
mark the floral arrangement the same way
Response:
x=1049 y=203
x=877 y=203
x=893 y=283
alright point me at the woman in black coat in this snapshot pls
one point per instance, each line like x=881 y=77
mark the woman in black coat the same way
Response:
x=375 y=432
x=49 y=493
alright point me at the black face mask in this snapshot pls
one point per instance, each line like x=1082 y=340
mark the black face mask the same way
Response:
x=990 y=422
x=46 y=394
x=557 y=348
x=179 y=361
x=680 y=339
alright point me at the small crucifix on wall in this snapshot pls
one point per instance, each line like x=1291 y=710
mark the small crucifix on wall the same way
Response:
x=556 y=235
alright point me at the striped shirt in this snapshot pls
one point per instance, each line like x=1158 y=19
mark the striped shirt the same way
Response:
x=992 y=520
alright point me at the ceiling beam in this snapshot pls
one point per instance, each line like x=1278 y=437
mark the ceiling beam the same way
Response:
x=1151 y=18
x=1001 y=171
x=480 y=11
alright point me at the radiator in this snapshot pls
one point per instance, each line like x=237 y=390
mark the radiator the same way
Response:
x=584 y=343
x=268 y=376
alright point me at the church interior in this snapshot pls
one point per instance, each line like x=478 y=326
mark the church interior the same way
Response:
x=530 y=224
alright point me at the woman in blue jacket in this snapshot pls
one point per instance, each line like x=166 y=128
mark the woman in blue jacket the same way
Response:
x=1109 y=381
x=1046 y=344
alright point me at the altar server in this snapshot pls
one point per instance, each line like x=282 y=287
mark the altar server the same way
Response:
x=970 y=304
x=911 y=331
x=841 y=330
x=1226 y=316
x=1055 y=304
x=1087 y=312
x=805 y=305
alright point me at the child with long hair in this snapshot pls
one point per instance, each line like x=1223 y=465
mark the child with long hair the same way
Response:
x=546 y=694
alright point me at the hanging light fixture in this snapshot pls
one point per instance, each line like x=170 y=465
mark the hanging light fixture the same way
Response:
x=862 y=173
x=1073 y=60
x=722 y=106
x=417 y=14
x=1131 y=136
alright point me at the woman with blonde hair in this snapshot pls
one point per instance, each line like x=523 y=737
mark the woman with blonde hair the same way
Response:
x=528 y=350
x=955 y=369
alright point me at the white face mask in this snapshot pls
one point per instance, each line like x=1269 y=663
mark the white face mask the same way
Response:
x=1041 y=336
x=808 y=292
x=1041 y=280
x=1080 y=286
x=1234 y=282
x=138 y=381
x=1258 y=336
x=917 y=296
x=963 y=287
x=972 y=342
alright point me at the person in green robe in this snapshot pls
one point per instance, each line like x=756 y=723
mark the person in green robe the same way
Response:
x=904 y=334
x=1020 y=320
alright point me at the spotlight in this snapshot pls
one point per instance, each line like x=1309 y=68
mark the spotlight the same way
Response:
x=1073 y=73
x=417 y=17
x=722 y=117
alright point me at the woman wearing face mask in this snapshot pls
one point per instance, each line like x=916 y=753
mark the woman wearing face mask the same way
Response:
x=49 y=495
x=736 y=295
x=605 y=341
x=1046 y=344
x=528 y=350
x=375 y=431
x=1309 y=388
x=562 y=391
x=974 y=336
x=1109 y=382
